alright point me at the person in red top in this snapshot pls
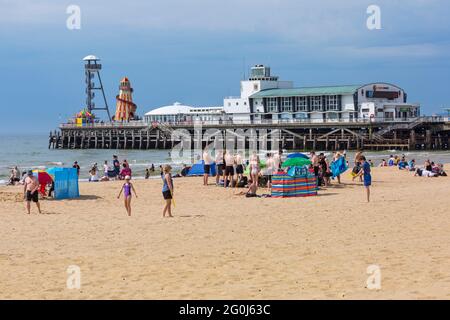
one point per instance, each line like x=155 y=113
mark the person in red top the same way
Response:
x=126 y=171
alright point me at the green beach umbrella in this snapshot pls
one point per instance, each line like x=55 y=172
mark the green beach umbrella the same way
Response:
x=296 y=162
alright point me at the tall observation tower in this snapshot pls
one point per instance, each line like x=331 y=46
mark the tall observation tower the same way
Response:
x=91 y=68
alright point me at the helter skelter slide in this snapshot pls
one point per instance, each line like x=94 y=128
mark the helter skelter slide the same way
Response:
x=125 y=108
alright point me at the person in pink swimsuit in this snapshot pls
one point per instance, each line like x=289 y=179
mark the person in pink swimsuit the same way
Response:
x=126 y=189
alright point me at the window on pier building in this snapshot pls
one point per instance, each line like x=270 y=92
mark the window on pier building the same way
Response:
x=316 y=103
x=332 y=103
x=286 y=104
x=301 y=103
x=272 y=105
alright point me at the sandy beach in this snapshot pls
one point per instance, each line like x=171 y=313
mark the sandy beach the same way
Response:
x=221 y=246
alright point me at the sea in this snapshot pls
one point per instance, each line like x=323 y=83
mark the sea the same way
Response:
x=31 y=152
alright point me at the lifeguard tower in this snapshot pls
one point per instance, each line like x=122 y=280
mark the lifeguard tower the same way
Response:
x=92 y=67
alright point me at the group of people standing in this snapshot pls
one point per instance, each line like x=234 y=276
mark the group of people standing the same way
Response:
x=230 y=168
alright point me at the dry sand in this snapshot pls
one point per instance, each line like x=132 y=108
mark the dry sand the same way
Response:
x=221 y=246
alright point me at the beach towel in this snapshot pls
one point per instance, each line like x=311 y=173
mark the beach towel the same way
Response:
x=338 y=167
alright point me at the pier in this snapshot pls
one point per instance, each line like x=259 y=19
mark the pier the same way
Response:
x=422 y=133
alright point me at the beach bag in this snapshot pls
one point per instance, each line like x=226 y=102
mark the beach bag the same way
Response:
x=243 y=182
x=262 y=181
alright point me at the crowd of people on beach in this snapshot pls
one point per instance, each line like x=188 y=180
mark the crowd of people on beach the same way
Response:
x=232 y=171
x=428 y=169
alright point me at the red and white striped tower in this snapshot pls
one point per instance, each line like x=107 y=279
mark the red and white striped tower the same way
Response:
x=125 y=108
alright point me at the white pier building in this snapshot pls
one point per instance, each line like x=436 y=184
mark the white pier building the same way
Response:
x=264 y=98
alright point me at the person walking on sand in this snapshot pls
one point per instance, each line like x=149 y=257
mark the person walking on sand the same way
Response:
x=207 y=166
x=167 y=190
x=30 y=190
x=365 y=172
x=126 y=189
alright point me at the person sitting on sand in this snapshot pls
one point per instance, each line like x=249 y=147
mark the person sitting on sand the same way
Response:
x=167 y=190
x=185 y=171
x=383 y=163
x=411 y=165
x=15 y=176
x=402 y=164
x=250 y=193
x=93 y=176
x=30 y=190
x=391 y=161
x=126 y=189
x=126 y=171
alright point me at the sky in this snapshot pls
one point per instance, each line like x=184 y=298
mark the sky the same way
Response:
x=197 y=51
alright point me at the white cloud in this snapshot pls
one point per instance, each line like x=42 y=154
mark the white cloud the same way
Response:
x=300 y=22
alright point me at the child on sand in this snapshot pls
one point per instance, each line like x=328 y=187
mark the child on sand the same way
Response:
x=127 y=188
x=167 y=190
x=365 y=172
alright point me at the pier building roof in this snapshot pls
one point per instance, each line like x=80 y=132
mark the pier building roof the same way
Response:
x=307 y=91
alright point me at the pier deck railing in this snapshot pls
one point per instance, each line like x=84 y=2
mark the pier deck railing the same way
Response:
x=372 y=121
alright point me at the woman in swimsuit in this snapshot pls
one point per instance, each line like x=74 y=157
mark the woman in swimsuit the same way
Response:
x=127 y=188
x=254 y=170
x=167 y=190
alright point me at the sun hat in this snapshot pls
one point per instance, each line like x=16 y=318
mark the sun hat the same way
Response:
x=127 y=178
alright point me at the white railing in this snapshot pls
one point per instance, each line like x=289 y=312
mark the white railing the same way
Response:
x=99 y=125
x=374 y=121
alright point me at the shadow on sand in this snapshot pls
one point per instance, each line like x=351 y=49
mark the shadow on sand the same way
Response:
x=192 y=216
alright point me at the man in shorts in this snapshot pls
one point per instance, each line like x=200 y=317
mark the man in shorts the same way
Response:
x=229 y=169
x=207 y=166
x=30 y=189
x=219 y=165
x=239 y=166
